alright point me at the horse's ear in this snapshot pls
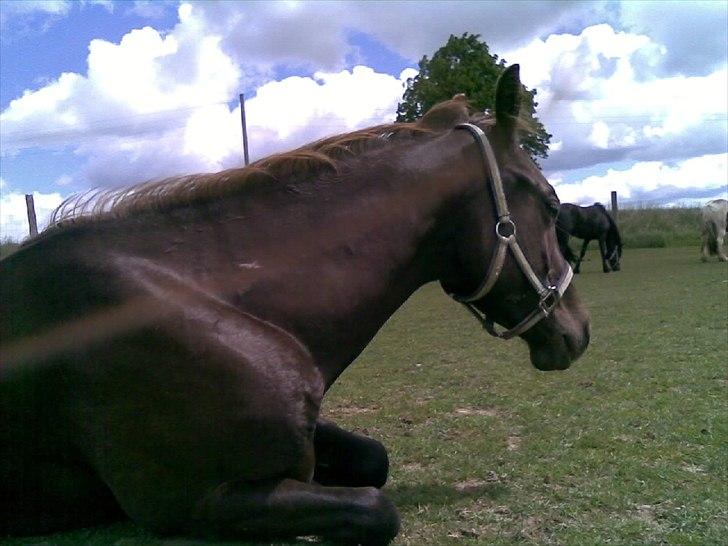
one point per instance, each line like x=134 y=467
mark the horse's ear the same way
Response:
x=508 y=101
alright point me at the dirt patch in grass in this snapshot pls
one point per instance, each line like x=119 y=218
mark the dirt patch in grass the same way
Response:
x=487 y=412
x=348 y=410
x=513 y=442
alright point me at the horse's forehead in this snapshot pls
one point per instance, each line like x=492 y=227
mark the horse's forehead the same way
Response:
x=526 y=169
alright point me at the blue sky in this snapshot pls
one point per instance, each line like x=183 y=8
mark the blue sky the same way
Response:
x=102 y=93
x=31 y=54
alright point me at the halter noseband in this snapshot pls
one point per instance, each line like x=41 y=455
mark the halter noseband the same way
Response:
x=505 y=230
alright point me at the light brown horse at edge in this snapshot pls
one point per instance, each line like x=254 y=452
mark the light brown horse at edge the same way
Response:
x=165 y=360
x=714 y=216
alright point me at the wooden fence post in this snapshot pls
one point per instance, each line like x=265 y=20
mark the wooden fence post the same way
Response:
x=32 y=224
x=615 y=208
x=245 y=129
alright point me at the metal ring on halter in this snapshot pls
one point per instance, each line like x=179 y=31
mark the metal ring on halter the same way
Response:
x=506 y=222
x=549 y=300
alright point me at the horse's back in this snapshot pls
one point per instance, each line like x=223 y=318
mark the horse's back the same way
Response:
x=716 y=211
x=585 y=223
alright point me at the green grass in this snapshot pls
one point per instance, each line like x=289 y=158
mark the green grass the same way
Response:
x=629 y=446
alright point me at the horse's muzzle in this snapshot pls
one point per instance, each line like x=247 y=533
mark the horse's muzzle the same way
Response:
x=560 y=339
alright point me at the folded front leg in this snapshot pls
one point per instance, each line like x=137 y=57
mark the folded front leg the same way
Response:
x=348 y=459
x=288 y=508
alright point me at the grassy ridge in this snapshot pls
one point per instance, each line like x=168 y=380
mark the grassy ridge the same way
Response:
x=7 y=248
x=658 y=228
x=629 y=446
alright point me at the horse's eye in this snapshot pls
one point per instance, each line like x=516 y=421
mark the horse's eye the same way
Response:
x=552 y=204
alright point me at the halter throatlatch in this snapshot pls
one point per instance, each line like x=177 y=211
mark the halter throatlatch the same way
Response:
x=505 y=230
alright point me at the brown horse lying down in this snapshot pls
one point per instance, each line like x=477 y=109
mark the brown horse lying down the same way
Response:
x=166 y=359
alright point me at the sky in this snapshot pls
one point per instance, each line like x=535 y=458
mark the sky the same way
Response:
x=106 y=94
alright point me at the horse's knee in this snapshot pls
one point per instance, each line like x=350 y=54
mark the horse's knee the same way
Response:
x=357 y=462
x=373 y=466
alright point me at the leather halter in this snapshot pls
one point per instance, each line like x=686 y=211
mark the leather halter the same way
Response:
x=505 y=230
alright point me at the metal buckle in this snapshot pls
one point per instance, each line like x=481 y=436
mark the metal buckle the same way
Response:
x=549 y=300
x=507 y=222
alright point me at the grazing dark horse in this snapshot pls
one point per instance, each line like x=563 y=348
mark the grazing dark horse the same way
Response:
x=588 y=223
x=166 y=359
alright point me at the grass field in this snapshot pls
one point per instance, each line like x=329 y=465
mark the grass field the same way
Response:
x=629 y=446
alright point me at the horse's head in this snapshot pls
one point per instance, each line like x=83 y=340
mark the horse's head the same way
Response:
x=614 y=253
x=507 y=267
x=614 y=247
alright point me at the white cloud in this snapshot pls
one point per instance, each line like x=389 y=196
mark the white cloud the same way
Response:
x=64 y=180
x=149 y=9
x=14 y=213
x=136 y=99
x=651 y=180
x=297 y=110
x=146 y=84
x=693 y=33
x=155 y=105
x=600 y=95
x=282 y=115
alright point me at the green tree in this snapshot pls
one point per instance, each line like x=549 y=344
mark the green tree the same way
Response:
x=464 y=65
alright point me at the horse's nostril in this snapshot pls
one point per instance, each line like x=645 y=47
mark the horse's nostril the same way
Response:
x=583 y=341
x=572 y=344
x=577 y=344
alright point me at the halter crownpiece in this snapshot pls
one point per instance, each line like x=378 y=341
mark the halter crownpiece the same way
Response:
x=505 y=230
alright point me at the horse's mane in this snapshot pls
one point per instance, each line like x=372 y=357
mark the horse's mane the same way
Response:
x=325 y=155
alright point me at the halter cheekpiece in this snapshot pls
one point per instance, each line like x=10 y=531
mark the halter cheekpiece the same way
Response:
x=505 y=230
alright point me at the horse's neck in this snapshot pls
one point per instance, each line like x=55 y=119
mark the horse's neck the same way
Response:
x=369 y=251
